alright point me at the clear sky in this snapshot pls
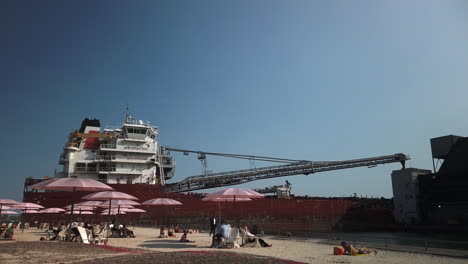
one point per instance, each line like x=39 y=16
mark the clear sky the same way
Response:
x=315 y=80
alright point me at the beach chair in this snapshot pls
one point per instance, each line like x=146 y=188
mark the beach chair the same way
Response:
x=245 y=239
x=62 y=235
x=233 y=239
x=83 y=235
x=100 y=237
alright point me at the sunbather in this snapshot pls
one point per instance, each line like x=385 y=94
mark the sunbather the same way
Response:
x=251 y=238
x=349 y=249
x=162 y=234
x=171 y=233
x=184 y=237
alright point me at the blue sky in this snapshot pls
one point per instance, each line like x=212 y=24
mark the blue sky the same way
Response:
x=315 y=80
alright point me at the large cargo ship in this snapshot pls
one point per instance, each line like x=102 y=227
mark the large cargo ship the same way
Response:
x=131 y=160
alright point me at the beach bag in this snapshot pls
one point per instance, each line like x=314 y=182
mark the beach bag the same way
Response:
x=338 y=251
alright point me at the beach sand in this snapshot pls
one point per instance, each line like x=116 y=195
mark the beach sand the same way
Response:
x=300 y=250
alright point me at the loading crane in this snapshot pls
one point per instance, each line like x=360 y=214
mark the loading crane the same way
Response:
x=294 y=167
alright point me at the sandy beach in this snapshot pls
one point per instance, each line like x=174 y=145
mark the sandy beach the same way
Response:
x=28 y=249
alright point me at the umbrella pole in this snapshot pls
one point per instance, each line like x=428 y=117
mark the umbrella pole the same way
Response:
x=219 y=211
x=108 y=218
x=71 y=213
x=235 y=215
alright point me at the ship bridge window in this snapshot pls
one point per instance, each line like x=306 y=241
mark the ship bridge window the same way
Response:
x=133 y=130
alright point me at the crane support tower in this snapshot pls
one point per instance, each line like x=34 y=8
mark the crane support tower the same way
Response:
x=214 y=180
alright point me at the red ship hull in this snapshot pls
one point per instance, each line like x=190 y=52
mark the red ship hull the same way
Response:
x=270 y=214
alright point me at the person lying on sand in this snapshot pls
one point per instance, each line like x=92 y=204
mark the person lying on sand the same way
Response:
x=350 y=250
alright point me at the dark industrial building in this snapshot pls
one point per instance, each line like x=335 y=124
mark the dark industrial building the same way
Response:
x=438 y=198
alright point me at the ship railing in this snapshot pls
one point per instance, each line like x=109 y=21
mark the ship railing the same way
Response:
x=109 y=146
x=81 y=169
x=107 y=169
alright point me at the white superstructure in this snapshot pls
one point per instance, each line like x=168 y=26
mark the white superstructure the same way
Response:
x=127 y=155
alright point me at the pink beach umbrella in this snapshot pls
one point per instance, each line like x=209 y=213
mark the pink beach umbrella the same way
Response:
x=80 y=212
x=25 y=206
x=226 y=200
x=8 y=212
x=133 y=210
x=79 y=207
x=109 y=197
x=90 y=203
x=30 y=211
x=235 y=193
x=52 y=210
x=7 y=202
x=73 y=185
x=162 y=202
x=112 y=212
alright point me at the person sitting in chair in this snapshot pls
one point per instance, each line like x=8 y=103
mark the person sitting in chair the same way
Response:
x=222 y=232
x=251 y=238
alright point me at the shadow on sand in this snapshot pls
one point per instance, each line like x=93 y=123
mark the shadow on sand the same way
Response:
x=167 y=244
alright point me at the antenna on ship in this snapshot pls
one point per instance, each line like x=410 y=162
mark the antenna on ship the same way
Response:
x=127 y=116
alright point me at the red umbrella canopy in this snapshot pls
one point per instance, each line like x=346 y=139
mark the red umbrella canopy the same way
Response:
x=73 y=184
x=235 y=192
x=102 y=196
x=161 y=201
